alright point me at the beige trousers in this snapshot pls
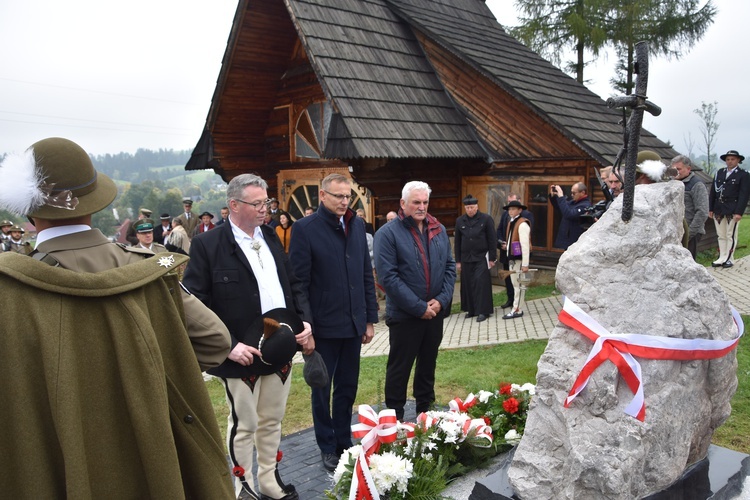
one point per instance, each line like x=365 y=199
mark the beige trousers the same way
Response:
x=255 y=422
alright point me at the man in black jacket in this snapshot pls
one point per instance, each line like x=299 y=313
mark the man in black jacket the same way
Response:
x=727 y=201
x=475 y=252
x=330 y=257
x=240 y=271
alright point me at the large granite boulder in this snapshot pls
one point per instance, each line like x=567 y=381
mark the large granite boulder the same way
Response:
x=631 y=277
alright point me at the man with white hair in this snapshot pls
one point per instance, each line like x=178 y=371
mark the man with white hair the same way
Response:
x=696 y=201
x=416 y=268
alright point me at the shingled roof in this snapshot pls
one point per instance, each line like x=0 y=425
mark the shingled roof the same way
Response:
x=468 y=29
x=388 y=100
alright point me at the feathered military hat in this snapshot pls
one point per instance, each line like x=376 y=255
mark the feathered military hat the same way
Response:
x=53 y=179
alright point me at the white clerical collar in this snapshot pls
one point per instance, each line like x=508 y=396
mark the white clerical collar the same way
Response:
x=57 y=231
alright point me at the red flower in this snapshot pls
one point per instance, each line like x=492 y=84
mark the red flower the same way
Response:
x=505 y=389
x=487 y=420
x=238 y=471
x=279 y=455
x=510 y=405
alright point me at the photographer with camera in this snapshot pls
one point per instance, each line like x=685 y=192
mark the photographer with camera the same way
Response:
x=571 y=210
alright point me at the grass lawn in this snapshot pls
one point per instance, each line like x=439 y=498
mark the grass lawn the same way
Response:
x=457 y=375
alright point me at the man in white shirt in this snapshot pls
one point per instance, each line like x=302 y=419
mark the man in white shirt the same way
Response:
x=241 y=272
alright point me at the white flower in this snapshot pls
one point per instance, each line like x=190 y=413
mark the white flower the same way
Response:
x=512 y=437
x=452 y=430
x=530 y=388
x=484 y=396
x=389 y=471
x=349 y=455
x=515 y=387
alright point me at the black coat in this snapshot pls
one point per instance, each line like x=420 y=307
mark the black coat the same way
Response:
x=729 y=196
x=336 y=272
x=159 y=233
x=474 y=237
x=220 y=276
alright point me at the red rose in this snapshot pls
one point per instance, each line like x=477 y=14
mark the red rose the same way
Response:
x=487 y=420
x=504 y=388
x=279 y=455
x=510 y=405
x=238 y=471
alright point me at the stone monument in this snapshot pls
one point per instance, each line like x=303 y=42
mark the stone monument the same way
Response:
x=631 y=278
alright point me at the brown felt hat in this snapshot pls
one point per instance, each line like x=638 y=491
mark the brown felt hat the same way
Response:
x=65 y=166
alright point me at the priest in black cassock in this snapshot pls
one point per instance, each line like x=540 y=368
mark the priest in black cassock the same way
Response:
x=476 y=252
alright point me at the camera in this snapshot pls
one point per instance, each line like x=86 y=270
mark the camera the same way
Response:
x=593 y=213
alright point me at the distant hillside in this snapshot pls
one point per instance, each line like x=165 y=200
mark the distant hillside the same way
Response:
x=144 y=165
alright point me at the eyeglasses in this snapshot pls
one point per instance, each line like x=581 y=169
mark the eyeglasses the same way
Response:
x=257 y=205
x=339 y=197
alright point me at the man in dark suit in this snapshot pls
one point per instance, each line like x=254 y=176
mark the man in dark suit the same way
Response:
x=727 y=201
x=330 y=256
x=163 y=229
x=502 y=231
x=240 y=271
x=224 y=215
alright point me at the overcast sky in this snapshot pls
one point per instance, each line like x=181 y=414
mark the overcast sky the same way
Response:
x=118 y=76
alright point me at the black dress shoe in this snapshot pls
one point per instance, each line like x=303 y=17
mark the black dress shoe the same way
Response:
x=727 y=264
x=513 y=315
x=291 y=494
x=715 y=264
x=481 y=318
x=469 y=315
x=507 y=305
x=330 y=461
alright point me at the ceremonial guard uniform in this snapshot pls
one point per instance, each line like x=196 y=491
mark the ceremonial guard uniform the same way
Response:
x=727 y=201
x=476 y=252
x=16 y=243
x=102 y=391
x=5 y=235
x=144 y=230
x=143 y=213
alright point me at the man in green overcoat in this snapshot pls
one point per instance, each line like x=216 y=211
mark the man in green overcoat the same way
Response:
x=102 y=393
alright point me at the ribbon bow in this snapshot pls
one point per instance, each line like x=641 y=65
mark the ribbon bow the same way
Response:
x=460 y=406
x=375 y=429
x=620 y=349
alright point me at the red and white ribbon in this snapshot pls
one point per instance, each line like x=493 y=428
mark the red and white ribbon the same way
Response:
x=620 y=349
x=482 y=432
x=375 y=429
x=460 y=406
x=363 y=486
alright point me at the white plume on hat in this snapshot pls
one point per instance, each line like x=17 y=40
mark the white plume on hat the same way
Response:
x=653 y=169
x=21 y=180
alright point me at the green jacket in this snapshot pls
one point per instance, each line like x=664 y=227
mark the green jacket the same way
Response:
x=102 y=396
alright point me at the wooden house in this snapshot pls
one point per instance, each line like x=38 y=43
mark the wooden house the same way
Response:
x=396 y=90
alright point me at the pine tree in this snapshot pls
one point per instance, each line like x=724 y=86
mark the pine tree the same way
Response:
x=671 y=27
x=550 y=27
